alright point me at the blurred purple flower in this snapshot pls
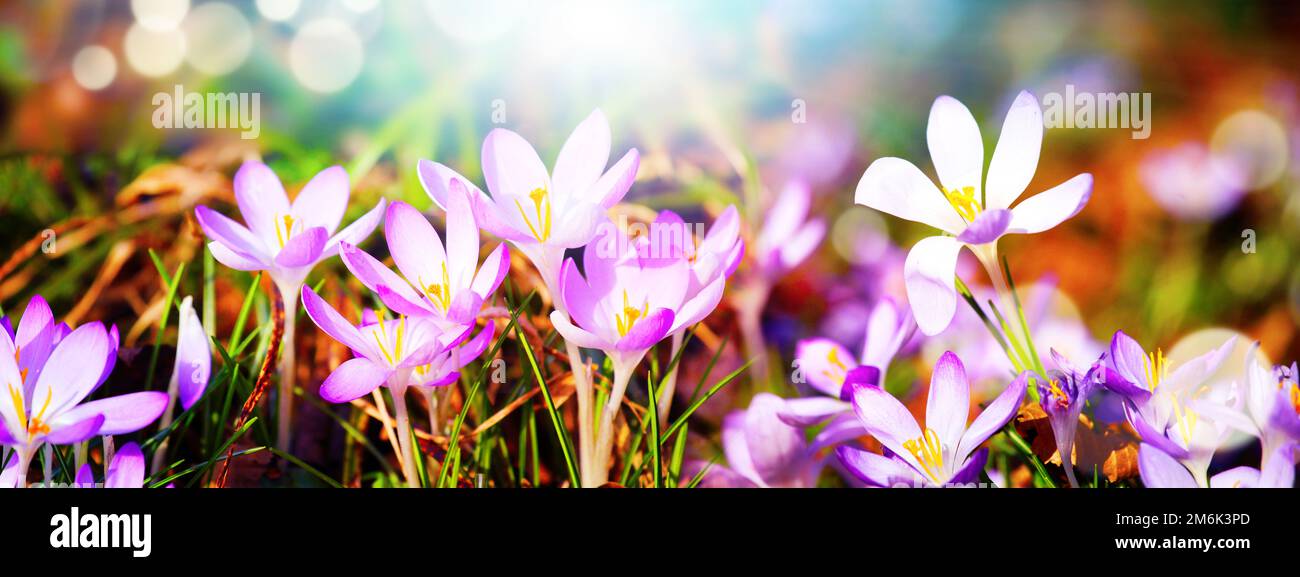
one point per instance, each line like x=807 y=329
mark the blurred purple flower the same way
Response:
x=1159 y=470
x=788 y=236
x=126 y=471
x=1192 y=183
x=762 y=451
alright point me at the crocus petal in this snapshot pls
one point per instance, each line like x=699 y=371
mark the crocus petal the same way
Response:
x=464 y=307
x=580 y=300
x=610 y=189
x=583 y=157
x=955 y=145
x=695 y=309
x=1161 y=471
x=1279 y=468
x=193 y=356
x=37 y=319
x=970 y=471
x=797 y=248
x=876 y=470
x=230 y=234
x=512 y=168
x=1284 y=417
x=864 y=375
x=646 y=331
x=261 y=200
x=353 y=379
x=1234 y=478
x=736 y=448
x=492 y=272
x=843 y=427
x=1051 y=207
x=987 y=227
x=809 y=411
x=475 y=347
x=823 y=364
x=1015 y=159
x=303 y=249
x=127 y=469
x=787 y=213
x=323 y=200
x=577 y=225
x=994 y=416
x=436 y=180
x=1154 y=437
x=333 y=323
x=72 y=370
x=74 y=431
x=395 y=292
x=462 y=238
x=85 y=477
x=928 y=275
x=775 y=449
x=357 y=231
x=948 y=404
x=122 y=414
x=896 y=186
x=574 y=334
x=886 y=419
x=1129 y=359
x=235 y=260
x=10 y=425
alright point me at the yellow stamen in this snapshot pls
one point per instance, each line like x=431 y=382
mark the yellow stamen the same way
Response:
x=1155 y=367
x=630 y=316
x=22 y=373
x=381 y=337
x=439 y=294
x=833 y=357
x=1186 y=419
x=928 y=452
x=36 y=425
x=540 y=197
x=1062 y=400
x=287 y=234
x=964 y=202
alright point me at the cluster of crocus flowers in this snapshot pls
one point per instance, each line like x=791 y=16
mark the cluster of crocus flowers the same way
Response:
x=285 y=239
x=543 y=213
x=945 y=452
x=970 y=209
x=48 y=372
x=830 y=369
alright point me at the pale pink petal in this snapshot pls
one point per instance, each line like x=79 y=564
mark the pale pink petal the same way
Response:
x=955 y=145
x=262 y=200
x=896 y=186
x=1015 y=159
x=582 y=158
x=929 y=274
x=948 y=404
x=323 y=200
x=1049 y=208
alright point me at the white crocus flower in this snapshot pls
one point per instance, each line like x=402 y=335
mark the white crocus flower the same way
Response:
x=971 y=213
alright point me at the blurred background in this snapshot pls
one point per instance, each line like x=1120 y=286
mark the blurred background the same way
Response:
x=1193 y=227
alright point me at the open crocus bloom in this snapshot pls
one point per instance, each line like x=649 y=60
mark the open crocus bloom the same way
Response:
x=1175 y=411
x=50 y=409
x=972 y=213
x=788 y=235
x=833 y=371
x=286 y=239
x=126 y=471
x=542 y=213
x=625 y=305
x=1161 y=471
x=382 y=348
x=944 y=451
x=441 y=282
x=37 y=335
x=763 y=451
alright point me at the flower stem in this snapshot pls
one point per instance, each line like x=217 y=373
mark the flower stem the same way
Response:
x=166 y=421
x=286 y=368
x=24 y=463
x=751 y=328
x=548 y=267
x=599 y=473
x=397 y=385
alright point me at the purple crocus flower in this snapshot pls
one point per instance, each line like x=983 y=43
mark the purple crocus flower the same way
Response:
x=1176 y=410
x=383 y=349
x=285 y=239
x=189 y=375
x=441 y=282
x=833 y=371
x=944 y=451
x=763 y=451
x=542 y=213
x=788 y=235
x=1272 y=404
x=51 y=409
x=1159 y=470
x=1192 y=183
x=1062 y=394
x=126 y=471
x=37 y=335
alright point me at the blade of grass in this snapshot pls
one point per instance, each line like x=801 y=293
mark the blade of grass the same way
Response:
x=304 y=466
x=681 y=420
x=557 y=421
